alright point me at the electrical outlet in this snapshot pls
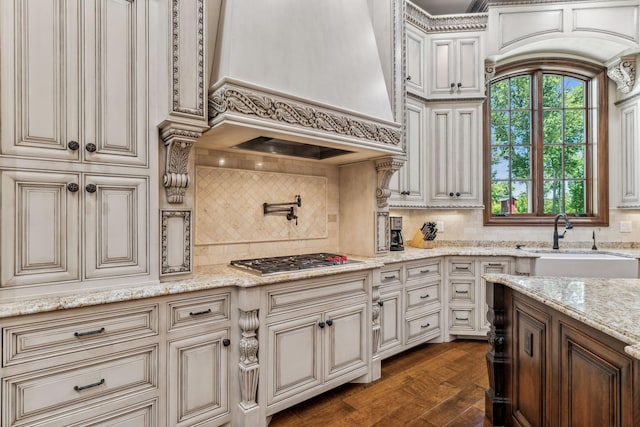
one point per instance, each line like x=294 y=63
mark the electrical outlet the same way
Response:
x=625 y=226
x=440 y=226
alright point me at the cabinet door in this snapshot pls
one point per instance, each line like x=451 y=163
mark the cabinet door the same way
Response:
x=346 y=341
x=629 y=157
x=117 y=226
x=455 y=68
x=408 y=184
x=114 y=63
x=198 y=379
x=294 y=357
x=415 y=60
x=390 y=321
x=39 y=78
x=74 y=71
x=454 y=156
x=40 y=228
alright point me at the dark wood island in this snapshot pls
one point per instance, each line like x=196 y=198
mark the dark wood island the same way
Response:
x=563 y=351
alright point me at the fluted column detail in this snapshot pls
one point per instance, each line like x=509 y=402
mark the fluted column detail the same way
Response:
x=249 y=367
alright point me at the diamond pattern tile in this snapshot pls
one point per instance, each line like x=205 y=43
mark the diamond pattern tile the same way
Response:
x=229 y=206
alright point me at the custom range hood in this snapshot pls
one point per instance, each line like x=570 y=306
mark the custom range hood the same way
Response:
x=301 y=78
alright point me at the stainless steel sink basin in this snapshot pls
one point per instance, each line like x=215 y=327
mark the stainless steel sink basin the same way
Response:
x=584 y=264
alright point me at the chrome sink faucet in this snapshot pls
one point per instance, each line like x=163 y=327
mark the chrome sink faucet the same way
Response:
x=567 y=226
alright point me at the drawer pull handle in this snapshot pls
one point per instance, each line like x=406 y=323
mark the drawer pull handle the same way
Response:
x=466 y=319
x=390 y=277
x=461 y=292
x=425 y=271
x=424 y=296
x=462 y=268
x=199 y=313
x=84 y=334
x=84 y=387
x=495 y=264
x=425 y=326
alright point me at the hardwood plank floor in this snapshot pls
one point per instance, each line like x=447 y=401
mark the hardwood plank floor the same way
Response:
x=432 y=385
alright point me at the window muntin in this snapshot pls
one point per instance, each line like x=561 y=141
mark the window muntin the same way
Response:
x=545 y=129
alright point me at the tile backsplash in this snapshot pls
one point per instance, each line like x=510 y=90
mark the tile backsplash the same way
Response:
x=229 y=207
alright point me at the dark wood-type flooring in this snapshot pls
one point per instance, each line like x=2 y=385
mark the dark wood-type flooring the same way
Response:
x=430 y=385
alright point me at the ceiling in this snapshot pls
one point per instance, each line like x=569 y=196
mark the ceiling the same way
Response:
x=443 y=7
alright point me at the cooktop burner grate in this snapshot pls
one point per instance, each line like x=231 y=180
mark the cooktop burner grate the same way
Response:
x=290 y=263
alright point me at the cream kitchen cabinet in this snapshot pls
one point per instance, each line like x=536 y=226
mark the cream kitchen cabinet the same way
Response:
x=408 y=185
x=415 y=60
x=410 y=305
x=78 y=366
x=73 y=78
x=45 y=216
x=198 y=353
x=454 y=155
x=466 y=292
x=629 y=155
x=317 y=336
x=455 y=66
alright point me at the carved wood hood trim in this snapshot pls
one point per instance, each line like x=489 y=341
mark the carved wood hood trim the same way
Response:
x=232 y=98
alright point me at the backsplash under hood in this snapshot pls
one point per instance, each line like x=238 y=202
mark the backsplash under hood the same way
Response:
x=300 y=71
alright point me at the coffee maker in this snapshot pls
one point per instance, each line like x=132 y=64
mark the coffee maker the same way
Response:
x=396 y=239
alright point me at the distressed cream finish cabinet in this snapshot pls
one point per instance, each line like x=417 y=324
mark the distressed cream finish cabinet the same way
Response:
x=416 y=76
x=75 y=158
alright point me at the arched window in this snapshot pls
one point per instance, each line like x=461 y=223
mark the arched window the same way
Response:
x=545 y=139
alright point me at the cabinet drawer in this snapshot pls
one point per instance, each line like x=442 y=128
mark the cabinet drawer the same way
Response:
x=66 y=334
x=461 y=267
x=141 y=415
x=423 y=295
x=390 y=276
x=462 y=319
x=68 y=388
x=427 y=269
x=422 y=328
x=196 y=311
x=461 y=290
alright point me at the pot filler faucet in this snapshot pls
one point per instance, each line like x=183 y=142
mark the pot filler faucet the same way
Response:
x=567 y=226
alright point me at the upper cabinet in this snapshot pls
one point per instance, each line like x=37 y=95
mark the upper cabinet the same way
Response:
x=455 y=65
x=629 y=156
x=73 y=78
x=415 y=60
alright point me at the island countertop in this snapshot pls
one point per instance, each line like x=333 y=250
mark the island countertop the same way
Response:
x=608 y=305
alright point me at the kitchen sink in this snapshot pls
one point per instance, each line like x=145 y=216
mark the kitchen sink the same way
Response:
x=584 y=264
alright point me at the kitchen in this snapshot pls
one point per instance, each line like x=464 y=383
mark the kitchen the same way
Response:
x=174 y=137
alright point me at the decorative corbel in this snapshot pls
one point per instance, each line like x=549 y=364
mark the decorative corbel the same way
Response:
x=177 y=141
x=489 y=72
x=623 y=72
x=385 y=169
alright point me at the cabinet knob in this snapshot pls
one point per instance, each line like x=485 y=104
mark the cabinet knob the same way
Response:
x=459 y=85
x=458 y=194
x=226 y=342
x=450 y=194
x=91 y=188
x=73 y=145
x=380 y=303
x=90 y=147
x=73 y=187
x=408 y=77
x=453 y=85
x=321 y=324
x=329 y=322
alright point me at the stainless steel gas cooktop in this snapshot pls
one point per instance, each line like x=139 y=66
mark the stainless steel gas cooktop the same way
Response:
x=290 y=263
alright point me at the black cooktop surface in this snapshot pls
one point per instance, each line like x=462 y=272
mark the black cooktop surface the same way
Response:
x=290 y=262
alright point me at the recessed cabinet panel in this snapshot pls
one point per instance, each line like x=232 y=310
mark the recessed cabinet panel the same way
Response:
x=198 y=389
x=116 y=215
x=40 y=228
x=629 y=157
x=142 y=415
x=346 y=340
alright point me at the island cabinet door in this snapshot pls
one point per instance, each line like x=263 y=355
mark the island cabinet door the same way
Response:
x=294 y=357
x=531 y=365
x=596 y=380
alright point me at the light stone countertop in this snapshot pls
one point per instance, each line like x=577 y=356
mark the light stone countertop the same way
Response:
x=608 y=305
x=222 y=275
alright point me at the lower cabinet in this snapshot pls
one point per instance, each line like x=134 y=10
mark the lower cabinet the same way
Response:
x=410 y=305
x=314 y=341
x=466 y=295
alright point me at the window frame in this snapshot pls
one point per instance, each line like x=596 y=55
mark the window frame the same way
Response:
x=597 y=193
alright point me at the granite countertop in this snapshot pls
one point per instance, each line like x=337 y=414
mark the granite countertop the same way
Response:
x=609 y=305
